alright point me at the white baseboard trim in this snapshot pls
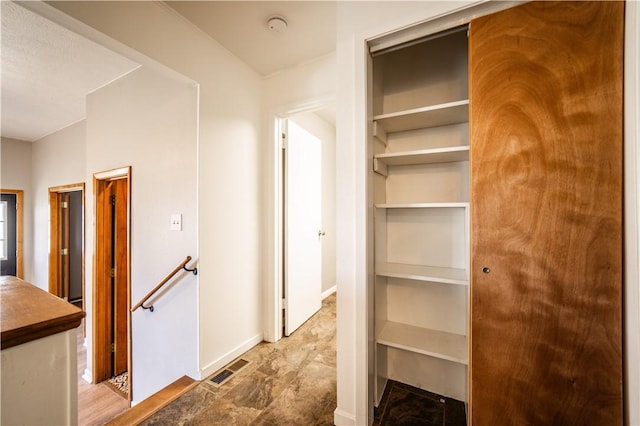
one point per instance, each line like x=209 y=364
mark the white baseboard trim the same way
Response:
x=216 y=365
x=328 y=292
x=342 y=418
x=87 y=376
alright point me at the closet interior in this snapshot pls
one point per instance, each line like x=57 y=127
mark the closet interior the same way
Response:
x=421 y=205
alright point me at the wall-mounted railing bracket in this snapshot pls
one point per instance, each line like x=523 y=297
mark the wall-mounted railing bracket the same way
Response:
x=194 y=270
x=182 y=265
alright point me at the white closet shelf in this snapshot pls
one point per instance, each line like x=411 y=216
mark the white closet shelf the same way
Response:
x=423 y=206
x=423 y=273
x=422 y=156
x=434 y=343
x=423 y=117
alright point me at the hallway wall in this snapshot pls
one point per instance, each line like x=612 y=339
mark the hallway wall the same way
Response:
x=58 y=159
x=15 y=173
x=228 y=169
x=147 y=120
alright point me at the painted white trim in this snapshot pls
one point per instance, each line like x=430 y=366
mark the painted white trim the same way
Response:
x=342 y=418
x=113 y=174
x=632 y=215
x=87 y=376
x=214 y=366
x=328 y=292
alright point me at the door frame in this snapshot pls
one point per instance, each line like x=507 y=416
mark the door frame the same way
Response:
x=19 y=193
x=273 y=329
x=54 y=236
x=101 y=325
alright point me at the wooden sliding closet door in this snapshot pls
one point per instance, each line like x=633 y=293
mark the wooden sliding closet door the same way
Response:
x=546 y=215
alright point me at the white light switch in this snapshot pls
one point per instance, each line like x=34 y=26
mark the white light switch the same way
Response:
x=176 y=222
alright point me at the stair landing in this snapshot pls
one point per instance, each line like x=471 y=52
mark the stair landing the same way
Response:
x=154 y=403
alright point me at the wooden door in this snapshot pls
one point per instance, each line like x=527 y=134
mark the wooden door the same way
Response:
x=111 y=275
x=119 y=193
x=546 y=221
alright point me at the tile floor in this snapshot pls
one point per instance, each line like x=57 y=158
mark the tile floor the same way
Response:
x=290 y=382
x=405 y=405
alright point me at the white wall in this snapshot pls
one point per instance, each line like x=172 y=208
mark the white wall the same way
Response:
x=15 y=156
x=326 y=132
x=148 y=121
x=307 y=86
x=229 y=170
x=357 y=22
x=58 y=159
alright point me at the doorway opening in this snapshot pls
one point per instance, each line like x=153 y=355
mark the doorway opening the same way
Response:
x=305 y=212
x=11 y=232
x=66 y=243
x=111 y=280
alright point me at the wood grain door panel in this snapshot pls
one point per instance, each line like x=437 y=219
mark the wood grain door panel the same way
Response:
x=103 y=316
x=121 y=279
x=546 y=203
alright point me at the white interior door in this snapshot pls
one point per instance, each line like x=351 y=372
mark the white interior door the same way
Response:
x=302 y=240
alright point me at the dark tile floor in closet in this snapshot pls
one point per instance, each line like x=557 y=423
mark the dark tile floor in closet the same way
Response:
x=404 y=405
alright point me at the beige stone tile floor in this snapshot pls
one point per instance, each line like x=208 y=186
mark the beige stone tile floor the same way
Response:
x=291 y=382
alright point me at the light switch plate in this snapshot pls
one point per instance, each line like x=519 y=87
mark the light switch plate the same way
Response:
x=176 y=222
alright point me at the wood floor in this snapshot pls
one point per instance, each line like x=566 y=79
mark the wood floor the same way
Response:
x=97 y=404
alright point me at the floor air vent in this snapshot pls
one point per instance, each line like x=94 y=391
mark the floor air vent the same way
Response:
x=223 y=375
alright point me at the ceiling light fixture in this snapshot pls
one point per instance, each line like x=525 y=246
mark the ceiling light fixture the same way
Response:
x=277 y=24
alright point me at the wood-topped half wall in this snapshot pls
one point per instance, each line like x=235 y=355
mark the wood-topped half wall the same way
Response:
x=28 y=313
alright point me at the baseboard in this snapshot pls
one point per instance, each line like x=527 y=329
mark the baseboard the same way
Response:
x=139 y=412
x=342 y=418
x=329 y=292
x=87 y=376
x=216 y=365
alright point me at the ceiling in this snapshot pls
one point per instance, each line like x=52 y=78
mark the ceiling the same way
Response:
x=241 y=27
x=47 y=70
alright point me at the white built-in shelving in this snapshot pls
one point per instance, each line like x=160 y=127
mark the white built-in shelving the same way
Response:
x=435 y=343
x=420 y=165
x=421 y=156
x=423 y=273
x=427 y=116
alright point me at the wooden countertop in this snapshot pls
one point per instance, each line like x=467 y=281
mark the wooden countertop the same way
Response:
x=28 y=313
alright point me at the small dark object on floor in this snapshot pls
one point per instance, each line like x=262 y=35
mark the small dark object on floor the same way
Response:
x=402 y=405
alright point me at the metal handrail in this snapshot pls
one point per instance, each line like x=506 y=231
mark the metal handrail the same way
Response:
x=182 y=265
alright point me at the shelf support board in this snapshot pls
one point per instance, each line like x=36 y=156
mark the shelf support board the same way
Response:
x=380 y=167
